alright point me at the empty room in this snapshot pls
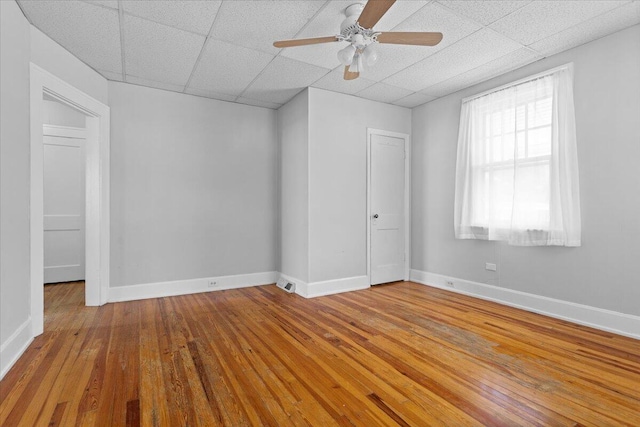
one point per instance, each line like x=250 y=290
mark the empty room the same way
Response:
x=319 y=212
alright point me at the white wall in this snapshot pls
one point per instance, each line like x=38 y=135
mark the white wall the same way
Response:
x=338 y=179
x=14 y=183
x=293 y=135
x=193 y=185
x=604 y=272
x=49 y=55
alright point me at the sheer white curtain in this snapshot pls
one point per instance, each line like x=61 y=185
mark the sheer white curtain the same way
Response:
x=517 y=166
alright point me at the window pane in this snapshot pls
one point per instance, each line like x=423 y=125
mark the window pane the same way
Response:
x=508 y=148
x=496 y=123
x=520 y=117
x=540 y=142
x=532 y=198
x=539 y=113
x=496 y=149
x=521 y=149
x=509 y=120
x=501 y=196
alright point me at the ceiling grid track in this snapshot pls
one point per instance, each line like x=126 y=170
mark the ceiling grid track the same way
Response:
x=121 y=25
x=487 y=27
x=204 y=46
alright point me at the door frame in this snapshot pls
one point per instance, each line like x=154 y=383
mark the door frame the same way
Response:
x=97 y=214
x=407 y=197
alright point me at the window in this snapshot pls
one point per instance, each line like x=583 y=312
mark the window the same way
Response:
x=517 y=171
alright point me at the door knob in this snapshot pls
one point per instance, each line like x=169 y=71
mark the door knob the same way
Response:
x=375 y=216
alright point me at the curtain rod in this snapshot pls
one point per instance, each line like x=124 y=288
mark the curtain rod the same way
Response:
x=517 y=82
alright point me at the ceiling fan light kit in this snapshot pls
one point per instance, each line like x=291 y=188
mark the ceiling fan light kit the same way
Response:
x=361 y=42
x=357 y=30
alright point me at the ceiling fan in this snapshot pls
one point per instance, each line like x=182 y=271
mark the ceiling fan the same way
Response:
x=357 y=29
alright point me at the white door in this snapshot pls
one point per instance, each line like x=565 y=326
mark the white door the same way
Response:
x=64 y=202
x=387 y=207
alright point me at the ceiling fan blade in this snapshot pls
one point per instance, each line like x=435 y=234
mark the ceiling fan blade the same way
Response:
x=349 y=75
x=304 y=42
x=373 y=11
x=419 y=39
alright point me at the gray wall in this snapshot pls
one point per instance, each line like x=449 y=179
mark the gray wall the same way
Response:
x=193 y=187
x=14 y=170
x=293 y=130
x=55 y=59
x=338 y=179
x=605 y=271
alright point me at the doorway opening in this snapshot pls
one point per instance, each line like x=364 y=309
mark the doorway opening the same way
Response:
x=63 y=141
x=46 y=87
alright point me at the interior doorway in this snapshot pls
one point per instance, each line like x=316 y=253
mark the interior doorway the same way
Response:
x=45 y=86
x=63 y=140
x=388 y=206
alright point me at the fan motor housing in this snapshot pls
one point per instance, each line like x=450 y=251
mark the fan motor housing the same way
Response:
x=352 y=14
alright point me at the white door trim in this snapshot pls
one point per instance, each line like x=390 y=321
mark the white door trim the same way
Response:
x=64 y=131
x=407 y=197
x=97 y=190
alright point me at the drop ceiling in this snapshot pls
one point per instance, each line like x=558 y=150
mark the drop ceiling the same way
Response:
x=223 y=49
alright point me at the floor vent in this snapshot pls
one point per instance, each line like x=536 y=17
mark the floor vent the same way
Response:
x=286 y=285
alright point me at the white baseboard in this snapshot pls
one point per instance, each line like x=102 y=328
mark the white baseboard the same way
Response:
x=606 y=320
x=329 y=287
x=191 y=286
x=14 y=346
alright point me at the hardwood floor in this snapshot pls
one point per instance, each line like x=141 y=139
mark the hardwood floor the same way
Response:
x=400 y=354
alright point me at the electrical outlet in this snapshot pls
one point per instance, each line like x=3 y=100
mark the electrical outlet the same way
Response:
x=450 y=283
x=490 y=266
x=213 y=283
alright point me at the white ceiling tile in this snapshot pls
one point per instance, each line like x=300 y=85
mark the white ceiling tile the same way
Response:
x=257 y=103
x=436 y=18
x=414 y=100
x=111 y=75
x=257 y=24
x=282 y=80
x=504 y=64
x=210 y=94
x=486 y=11
x=600 y=26
x=541 y=19
x=159 y=53
x=227 y=68
x=469 y=53
x=192 y=15
x=401 y=11
x=327 y=21
x=335 y=82
x=383 y=93
x=155 y=84
x=323 y=55
x=89 y=32
x=106 y=3
x=393 y=58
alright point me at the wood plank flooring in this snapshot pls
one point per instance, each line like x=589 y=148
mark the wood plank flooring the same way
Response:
x=400 y=354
